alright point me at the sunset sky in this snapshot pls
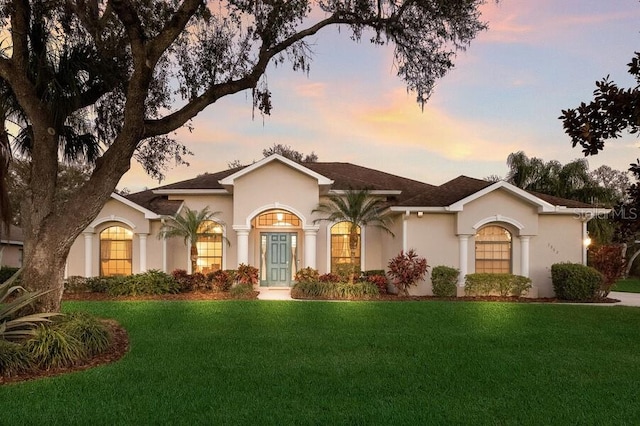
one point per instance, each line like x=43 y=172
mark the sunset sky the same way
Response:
x=504 y=95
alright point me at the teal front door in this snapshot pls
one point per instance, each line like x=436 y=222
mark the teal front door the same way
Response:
x=278 y=258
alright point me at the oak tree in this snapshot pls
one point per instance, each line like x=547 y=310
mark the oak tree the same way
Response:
x=107 y=81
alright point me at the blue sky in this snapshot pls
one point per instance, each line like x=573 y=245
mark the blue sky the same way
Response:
x=504 y=95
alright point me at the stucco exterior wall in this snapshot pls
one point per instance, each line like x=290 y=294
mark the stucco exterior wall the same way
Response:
x=432 y=236
x=559 y=240
x=275 y=185
x=11 y=255
x=502 y=204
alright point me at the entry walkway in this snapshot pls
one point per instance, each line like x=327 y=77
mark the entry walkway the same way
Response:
x=275 y=293
x=626 y=299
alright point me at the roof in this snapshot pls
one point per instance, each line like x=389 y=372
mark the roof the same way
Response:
x=345 y=176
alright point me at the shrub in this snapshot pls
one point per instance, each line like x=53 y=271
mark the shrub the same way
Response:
x=484 y=284
x=573 y=281
x=310 y=289
x=360 y=290
x=221 y=280
x=373 y=272
x=7 y=272
x=51 y=347
x=199 y=281
x=246 y=274
x=609 y=262
x=406 y=269
x=14 y=325
x=379 y=280
x=329 y=278
x=100 y=284
x=13 y=358
x=76 y=284
x=444 y=281
x=184 y=280
x=348 y=272
x=307 y=275
x=241 y=291
x=150 y=282
x=87 y=329
x=333 y=290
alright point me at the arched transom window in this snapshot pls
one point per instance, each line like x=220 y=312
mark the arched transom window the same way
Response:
x=209 y=247
x=493 y=250
x=278 y=218
x=115 y=251
x=343 y=255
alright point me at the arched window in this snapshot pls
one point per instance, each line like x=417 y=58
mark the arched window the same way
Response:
x=115 y=251
x=493 y=250
x=341 y=250
x=209 y=247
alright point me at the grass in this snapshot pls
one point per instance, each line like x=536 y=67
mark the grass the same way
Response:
x=629 y=285
x=280 y=363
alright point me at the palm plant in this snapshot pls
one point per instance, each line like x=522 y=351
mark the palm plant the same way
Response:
x=358 y=208
x=14 y=298
x=191 y=226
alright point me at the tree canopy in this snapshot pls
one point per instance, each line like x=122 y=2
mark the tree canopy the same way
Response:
x=103 y=82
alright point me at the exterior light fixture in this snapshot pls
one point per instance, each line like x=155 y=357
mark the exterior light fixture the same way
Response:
x=587 y=242
x=420 y=214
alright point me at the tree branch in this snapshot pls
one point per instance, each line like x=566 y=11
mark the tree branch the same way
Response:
x=173 y=29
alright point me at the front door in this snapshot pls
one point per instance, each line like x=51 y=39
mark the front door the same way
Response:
x=278 y=257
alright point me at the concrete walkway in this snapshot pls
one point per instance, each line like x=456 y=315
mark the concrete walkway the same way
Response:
x=275 y=294
x=626 y=299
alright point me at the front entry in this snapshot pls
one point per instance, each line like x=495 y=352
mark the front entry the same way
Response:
x=278 y=258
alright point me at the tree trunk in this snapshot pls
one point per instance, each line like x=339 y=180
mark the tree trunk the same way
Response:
x=194 y=258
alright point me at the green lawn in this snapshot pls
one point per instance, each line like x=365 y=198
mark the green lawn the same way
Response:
x=413 y=363
x=629 y=285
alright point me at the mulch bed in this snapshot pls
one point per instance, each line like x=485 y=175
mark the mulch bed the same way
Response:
x=119 y=347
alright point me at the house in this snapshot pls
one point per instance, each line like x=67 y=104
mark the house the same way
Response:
x=11 y=246
x=265 y=213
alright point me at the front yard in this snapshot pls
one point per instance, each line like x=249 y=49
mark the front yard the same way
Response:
x=628 y=285
x=253 y=362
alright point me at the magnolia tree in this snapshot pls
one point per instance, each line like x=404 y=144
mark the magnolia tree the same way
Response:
x=102 y=82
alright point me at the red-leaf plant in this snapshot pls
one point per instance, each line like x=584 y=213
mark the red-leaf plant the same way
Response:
x=406 y=269
x=609 y=261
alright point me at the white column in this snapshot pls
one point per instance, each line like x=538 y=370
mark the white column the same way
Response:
x=524 y=255
x=88 y=254
x=143 y=252
x=463 y=254
x=242 y=233
x=404 y=231
x=164 y=255
x=310 y=234
x=585 y=245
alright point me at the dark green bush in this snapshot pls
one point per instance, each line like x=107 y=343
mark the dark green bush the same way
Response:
x=87 y=329
x=7 y=272
x=484 y=284
x=100 y=284
x=14 y=358
x=573 y=281
x=371 y=272
x=150 y=282
x=444 y=281
x=76 y=284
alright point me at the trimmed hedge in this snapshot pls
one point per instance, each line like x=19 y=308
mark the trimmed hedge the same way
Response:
x=444 y=281
x=484 y=284
x=329 y=290
x=574 y=281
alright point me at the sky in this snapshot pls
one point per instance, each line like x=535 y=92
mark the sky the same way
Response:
x=505 y=94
